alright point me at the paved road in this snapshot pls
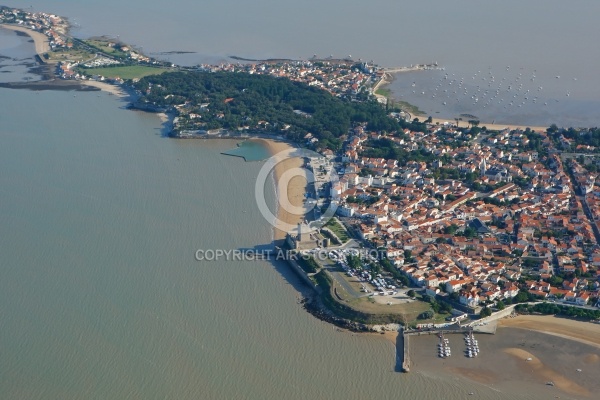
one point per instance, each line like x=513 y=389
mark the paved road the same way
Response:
x=586 y=209
x=339 y=276
x=340 y=279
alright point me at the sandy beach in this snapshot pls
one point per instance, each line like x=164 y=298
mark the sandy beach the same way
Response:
x=42 y=46
x=40 y=40
x=385 y=80
x=515 y=362
x=583 y=332
x=116 y=90
x=294 y=189
x=495 y=127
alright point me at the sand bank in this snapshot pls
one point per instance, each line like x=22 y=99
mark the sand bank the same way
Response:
x=117 y=90
x=529 y=363
x=294 y=188
x=502 y=364
x=40 y=40
x=583 y=332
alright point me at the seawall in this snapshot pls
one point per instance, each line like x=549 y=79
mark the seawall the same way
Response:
x=405 y=352
x=301 y=274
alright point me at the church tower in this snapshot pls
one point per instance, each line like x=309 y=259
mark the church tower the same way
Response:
x=483 y=167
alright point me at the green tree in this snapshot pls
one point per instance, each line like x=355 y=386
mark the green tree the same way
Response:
x=426 y=315
x=485 y=312
x=470 y=232
x=521 y=297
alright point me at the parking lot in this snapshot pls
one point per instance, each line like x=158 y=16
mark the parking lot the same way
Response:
x=360 y=282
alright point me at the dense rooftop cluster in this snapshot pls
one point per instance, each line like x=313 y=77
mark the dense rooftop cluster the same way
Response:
x=480 y=222
x=340 y=77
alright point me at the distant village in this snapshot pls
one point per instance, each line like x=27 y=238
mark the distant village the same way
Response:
x=53 y=26
x=60 y=42
x=338 y=77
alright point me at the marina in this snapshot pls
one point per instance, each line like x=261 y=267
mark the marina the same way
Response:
x=472 y=345
x=444 y=350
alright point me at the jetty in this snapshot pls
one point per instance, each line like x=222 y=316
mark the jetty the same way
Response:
x=413 y=67
x=489 y=328
x=406 y=360
x=402 y=352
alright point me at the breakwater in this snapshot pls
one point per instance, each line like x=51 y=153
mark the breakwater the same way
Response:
x=403 y=343
x=413 y=67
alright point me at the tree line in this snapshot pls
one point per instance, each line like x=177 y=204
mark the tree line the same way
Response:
x=239 y=99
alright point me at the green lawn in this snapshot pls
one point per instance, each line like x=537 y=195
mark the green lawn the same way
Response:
x=339 y=231
x=384 y=92
x=414 y=110
x=125 y=72
x=102 y=45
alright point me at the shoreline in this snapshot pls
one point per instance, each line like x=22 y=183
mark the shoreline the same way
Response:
x=41 y=42
x=295 y=188
x=42 y=46
x=383 y=82
x=513 y=361
x=580 y=331
x=494 y=127
x=114 y=89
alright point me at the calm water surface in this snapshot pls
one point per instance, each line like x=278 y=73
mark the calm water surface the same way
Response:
x=101 y=296
x=250 y=151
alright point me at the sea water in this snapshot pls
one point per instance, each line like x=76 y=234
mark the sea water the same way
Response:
x=539 y=39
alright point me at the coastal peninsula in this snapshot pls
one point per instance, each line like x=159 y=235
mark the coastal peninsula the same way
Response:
x=438 y=226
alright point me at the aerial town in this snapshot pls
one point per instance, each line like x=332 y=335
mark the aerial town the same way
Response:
x=471 y=216
x=480 y=222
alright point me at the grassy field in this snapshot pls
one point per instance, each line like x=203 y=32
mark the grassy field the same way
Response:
x=339 y=230
x=412 y=109
x=69 y=55
x=383 y=91
x=125 y=72
x=103 y=46
x=407 y=311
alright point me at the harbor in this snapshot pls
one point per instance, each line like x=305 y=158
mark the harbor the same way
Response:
x=444 y=346
x=472 y=345
x=444 y=350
